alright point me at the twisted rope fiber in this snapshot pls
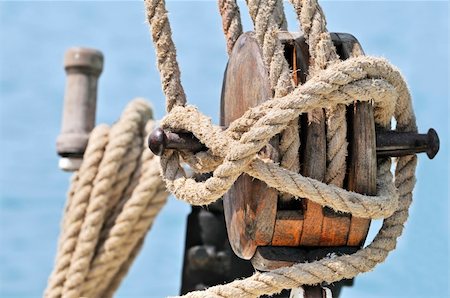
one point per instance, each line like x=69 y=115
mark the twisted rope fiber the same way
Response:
x=267 y=21
x=235 y=151
x=342 y=83
x=268 y=18
x=112 y=202
x=166 y=54
x=329 y=270
x=231 y=22
x=323 y=54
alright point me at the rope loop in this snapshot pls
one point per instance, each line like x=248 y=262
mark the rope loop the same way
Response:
x=332 y=84
x=235 y=150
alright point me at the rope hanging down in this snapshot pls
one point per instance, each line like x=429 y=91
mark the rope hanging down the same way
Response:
x=116 y=194
x=112 y=202
x=232 y=152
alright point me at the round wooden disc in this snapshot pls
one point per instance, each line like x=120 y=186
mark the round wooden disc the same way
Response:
x=250 y=205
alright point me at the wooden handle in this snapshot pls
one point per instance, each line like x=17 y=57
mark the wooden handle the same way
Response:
x=83 y=67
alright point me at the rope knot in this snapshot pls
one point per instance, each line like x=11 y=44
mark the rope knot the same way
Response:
x=235 y=150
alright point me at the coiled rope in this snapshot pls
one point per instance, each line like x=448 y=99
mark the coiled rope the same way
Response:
x=332 y=85
x=112 y=202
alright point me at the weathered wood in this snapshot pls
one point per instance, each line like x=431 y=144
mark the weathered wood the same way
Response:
x=335 y=228
x=249 y=206
x=272 y=257
x=253 y=216
x=83 y=67
x=313 y=151
x=336 y=225
x=362 y=160
x=288 y=228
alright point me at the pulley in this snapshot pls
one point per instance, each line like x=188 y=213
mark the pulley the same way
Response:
x=264 y=227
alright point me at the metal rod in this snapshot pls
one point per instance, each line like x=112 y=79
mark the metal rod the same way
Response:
x=388 y=143
x=395 y=144
x=160 y=140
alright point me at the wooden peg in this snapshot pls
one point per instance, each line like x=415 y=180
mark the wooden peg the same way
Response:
x=83 y=67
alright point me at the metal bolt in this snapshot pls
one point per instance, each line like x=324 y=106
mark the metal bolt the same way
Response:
x=160 y=140
x=394 y=144
x=388 y=143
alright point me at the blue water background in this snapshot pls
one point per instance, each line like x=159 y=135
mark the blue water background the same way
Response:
x=33 y=38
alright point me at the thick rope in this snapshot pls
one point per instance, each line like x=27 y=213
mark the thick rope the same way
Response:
x=269 y=18
x=231 y=22
x=323 y=54
x=166 y=55
x=332 y=85
x=117 y=193
x=341 y=84
x=112 y=202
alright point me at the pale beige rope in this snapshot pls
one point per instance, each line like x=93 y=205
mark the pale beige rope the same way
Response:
x=231 y=22
x=130 y=226
x=73 y=218
x=166 y=54
x=117 y=280
x=277 y=14
x=340 y=84
x=323 y=54
x=109 y=184
x=334 y=268
x=236 y=151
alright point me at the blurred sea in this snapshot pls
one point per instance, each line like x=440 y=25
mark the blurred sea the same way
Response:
x=33 y=38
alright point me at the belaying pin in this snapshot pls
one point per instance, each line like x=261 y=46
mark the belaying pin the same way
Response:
x=83 y=67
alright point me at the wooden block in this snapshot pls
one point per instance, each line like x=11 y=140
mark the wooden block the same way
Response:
x=362 y=160
x=250 y=205
x=288 y=228
x=362 y=166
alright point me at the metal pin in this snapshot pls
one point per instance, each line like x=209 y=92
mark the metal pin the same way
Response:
x=388 y=143
x=160 y=140
x=394 y=144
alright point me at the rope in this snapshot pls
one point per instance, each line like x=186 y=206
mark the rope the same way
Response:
x=166 y=55
x=115 y=196
x=231 y=22
x=268 y=19
x=112 y=202
x=332 y=85
x=323 y=54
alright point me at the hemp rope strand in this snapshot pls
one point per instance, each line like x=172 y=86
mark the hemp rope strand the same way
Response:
x=323 y=54
x=231 y=22
x=268 y=21
x=360 y=78
x=166 y=54
x=112 y=202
